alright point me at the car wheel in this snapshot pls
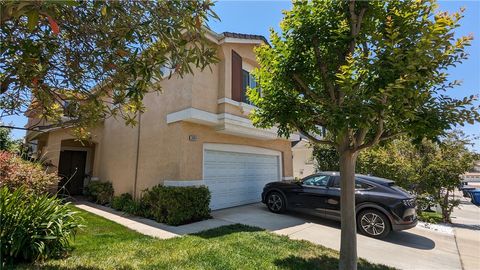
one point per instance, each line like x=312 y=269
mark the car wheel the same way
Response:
x=373 y=223
x=424 y=207
x=275 y=202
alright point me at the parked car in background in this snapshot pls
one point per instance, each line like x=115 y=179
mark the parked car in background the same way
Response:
x=425 y=203
x=381 y=206
x=475 y=195
x=466 y=191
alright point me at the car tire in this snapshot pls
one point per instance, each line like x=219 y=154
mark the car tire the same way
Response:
x=373 y=223
x=276 y=203
x=424 y=207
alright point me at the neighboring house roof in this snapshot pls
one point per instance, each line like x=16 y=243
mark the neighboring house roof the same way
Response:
x=302 y=143
x=231 y=37
x=244 y=36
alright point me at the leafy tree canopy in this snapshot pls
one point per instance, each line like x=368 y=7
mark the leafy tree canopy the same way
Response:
x=7 y=143
x=367 y=71
x=96 y=58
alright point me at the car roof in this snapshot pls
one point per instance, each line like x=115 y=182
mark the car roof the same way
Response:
x=374 y=179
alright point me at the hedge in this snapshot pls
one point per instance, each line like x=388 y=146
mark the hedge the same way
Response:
x=99 y=192
x=176 y=205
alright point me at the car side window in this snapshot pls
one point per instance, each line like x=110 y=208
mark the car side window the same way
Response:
x=358 y=184
x=361 y=185
x=336 y=182
x=317 y=181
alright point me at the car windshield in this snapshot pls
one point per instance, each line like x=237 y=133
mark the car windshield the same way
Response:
x=318 y=181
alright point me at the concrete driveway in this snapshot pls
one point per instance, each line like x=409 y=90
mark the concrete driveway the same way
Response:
x=417 y=248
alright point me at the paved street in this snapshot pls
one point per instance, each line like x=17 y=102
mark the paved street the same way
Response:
x=466 y=222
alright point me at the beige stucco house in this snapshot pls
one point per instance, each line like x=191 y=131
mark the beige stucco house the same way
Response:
x=303 y=161
x=196 y=132
x=472 y=178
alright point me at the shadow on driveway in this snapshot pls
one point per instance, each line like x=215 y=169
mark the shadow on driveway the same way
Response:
x=408 y=239
x=402 y=238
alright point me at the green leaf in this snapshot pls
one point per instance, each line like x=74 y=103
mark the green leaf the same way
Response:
x=32 y=19
x=104 y=10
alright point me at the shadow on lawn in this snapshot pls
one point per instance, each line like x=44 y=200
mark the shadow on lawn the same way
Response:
x=76 y=267
x=52 y=267
x=226 y=230
x=321 y=263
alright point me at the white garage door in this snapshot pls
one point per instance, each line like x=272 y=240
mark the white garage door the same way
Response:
x=238 y=178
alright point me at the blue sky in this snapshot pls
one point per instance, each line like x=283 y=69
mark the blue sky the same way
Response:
x=257 y=17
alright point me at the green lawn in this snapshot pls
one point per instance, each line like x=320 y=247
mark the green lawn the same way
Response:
x=106 y=245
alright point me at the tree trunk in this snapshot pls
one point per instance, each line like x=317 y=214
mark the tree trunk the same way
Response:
x=348 y=245
x=445 y=207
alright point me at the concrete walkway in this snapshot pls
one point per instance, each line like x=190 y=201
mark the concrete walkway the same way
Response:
x=148 y=226
x=418 y=248
x=466 y=223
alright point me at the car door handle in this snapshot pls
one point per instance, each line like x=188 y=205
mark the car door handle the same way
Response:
x=332 y=201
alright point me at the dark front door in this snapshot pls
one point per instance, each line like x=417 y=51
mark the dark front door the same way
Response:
x=72 y=170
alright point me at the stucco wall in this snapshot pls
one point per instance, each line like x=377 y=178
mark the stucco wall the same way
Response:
x=192 y=152
x=165 y=151
x=302 y=162
x=51 y=151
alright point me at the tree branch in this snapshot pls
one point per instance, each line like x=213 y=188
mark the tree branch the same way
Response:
x=322 y=66
x=304 y=87
x=360 y=136
x=21 y=128
x=313 y=139
x=355 y=24
x=376 y=137
x=391 y=136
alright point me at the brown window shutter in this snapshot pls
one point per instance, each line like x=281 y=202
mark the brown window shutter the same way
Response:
x=236 y=76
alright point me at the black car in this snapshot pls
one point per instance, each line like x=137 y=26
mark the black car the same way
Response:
x=381 y=206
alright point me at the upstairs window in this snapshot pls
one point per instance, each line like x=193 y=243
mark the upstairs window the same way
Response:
x=69 y=108
x=248 y=80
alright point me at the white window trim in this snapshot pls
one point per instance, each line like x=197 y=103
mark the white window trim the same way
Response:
x=183 y=183
x=223 y=121
x=244 y=107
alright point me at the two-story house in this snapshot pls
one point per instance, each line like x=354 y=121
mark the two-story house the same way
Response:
x=196 y=132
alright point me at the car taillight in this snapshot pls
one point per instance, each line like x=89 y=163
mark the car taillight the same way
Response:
x=409 y=202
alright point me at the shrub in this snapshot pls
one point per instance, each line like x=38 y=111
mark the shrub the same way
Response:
x=430 y=217
x=34 y=227
x=120 y=202
x=126 y=203
x=177 y=205
x=99 y=192
x=16 y=172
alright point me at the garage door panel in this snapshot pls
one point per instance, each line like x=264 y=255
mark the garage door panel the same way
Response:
x=243 y=187
x=238 y=178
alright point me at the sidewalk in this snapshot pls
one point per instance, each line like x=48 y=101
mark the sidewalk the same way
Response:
x=466 y=223
x=148 y=226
